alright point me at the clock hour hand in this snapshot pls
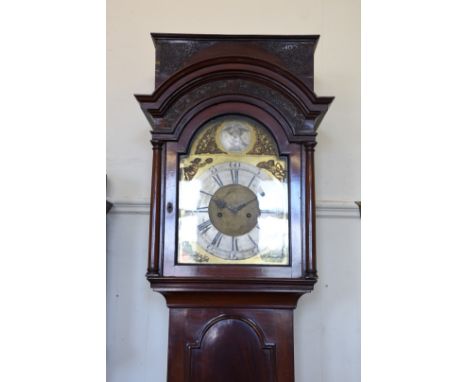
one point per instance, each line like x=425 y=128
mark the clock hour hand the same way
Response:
x=219 y=202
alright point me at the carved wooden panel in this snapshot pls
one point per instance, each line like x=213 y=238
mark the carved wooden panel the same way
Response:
x=231 y=349
x=230 y=345
x=296 y=53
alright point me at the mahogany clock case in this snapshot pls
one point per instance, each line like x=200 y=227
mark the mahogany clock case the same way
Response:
x=232 y=322
x=201 y=77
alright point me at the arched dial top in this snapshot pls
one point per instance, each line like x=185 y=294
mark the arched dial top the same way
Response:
x=233 y=196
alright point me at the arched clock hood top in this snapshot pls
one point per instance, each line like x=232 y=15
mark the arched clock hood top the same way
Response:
x=196 y=71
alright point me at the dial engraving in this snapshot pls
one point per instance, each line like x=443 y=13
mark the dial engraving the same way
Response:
x=235 y=212
x=233 y=202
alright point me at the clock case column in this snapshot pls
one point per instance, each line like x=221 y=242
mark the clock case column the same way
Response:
x=232 y=323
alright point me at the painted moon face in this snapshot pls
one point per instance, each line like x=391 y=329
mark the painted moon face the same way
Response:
x=235 y=136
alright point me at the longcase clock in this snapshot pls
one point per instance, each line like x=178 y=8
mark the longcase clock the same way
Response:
x=232 y=222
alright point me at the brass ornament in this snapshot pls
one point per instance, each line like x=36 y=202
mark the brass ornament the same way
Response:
x=191 y=170
x=210 y=142
x=207 y=143
x=264 y=145
x=276 y=168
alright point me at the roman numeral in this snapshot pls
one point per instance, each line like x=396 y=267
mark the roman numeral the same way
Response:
x=206 y=193
x=218 y=180
x=202 y=209
x=251 y=180
x=215 y=176
x=253 y=242
x=234 y=244
x=235 y=176
x=216 y=240
x=234 y=171
x=204 y=227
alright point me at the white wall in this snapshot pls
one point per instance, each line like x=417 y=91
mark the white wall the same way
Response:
x=327 y=346
x=327 y=321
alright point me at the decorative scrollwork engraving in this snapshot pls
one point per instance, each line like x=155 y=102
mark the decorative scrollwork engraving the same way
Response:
x=273 y=257
x=276 y=168
x=191 y=170
x=197 y=257
x=264 y=145
x=207 y=143
x=240 y=86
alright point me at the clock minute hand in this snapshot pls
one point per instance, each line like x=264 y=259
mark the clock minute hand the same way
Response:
x=240 y=206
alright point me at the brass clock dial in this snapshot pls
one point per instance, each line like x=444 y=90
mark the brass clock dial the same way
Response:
x=234 y=210
x=233 y=204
